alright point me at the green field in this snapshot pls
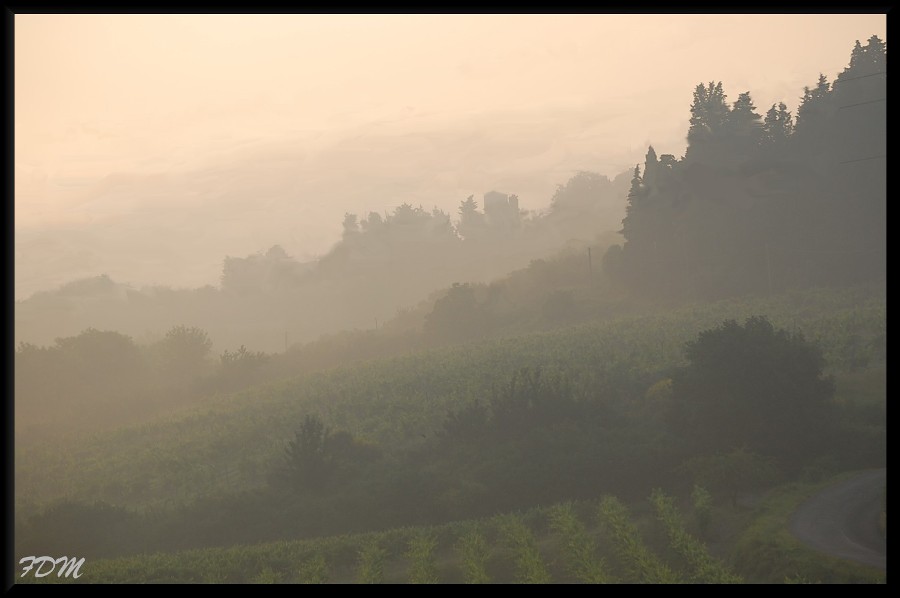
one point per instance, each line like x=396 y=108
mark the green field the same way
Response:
x=598 y=541
x=577 y=414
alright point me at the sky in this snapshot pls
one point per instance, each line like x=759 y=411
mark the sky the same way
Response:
x=149 y=147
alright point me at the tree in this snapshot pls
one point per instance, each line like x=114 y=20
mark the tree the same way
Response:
x=373 y=224
x=471 y=222
x=183 y=353
x=752 y=386
x=580 y=194
x=95 y=366
x=651 y=163
x=744 y=126
x=277 y=252
x=876 y=52
x=777 y=127
x=441 y=227
x=859 y=96
x=457 y=316
x=732 y=473
x=628 y=261
x=709 y=115
x=866 y=60
x=101 y=358
x=587 y=203
x=636 y=193
x=647 y=226
x=814 y=107
x=350 y=225
x=406 y=215
x=306 y=454
x=238 y=368
x=318 y=455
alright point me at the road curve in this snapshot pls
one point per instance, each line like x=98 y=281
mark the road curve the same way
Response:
x=842 y=520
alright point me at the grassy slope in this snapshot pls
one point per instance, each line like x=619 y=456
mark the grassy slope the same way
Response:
x=753 y=546
x=228 y=443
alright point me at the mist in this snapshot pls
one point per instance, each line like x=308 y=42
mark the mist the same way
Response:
x=450 y=298
x=177 y=131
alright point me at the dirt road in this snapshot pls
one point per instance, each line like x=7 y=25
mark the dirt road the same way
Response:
x=842 y=520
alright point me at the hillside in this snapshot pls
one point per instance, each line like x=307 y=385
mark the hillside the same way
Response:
x=399 y=420
x=506 y=396
x=662 y=539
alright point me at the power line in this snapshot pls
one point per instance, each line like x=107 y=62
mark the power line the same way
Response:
x=863 y=159
x=825 y=251
x=861 y=103
x=855 y=78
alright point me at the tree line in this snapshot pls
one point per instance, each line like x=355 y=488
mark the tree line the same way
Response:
x=762 y=203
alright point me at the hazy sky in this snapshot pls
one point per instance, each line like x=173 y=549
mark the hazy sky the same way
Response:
x=189 y=100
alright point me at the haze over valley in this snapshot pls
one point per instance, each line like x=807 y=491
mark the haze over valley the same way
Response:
x=450 y=298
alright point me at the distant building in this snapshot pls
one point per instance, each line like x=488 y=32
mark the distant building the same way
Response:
x=501 y=210
x=494 y=201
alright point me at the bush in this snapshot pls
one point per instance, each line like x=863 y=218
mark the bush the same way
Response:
x=752 y=386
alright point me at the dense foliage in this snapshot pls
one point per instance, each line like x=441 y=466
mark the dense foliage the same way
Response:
x=753 y=386
x=759 y=204
x=535 y=546
x=435 y=436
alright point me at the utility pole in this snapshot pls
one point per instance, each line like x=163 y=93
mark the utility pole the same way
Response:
x=769 y=269
x=590 y=266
